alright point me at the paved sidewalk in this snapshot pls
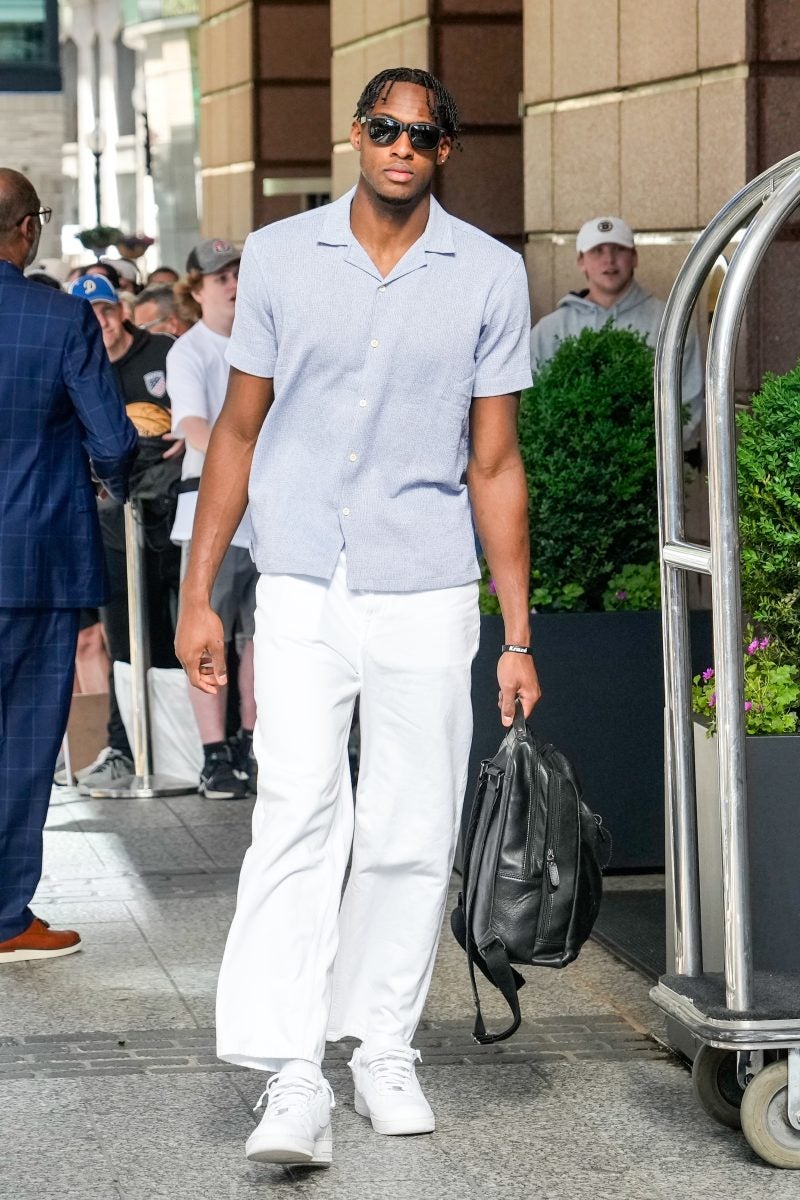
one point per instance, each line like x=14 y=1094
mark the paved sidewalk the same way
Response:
x=110 y=1090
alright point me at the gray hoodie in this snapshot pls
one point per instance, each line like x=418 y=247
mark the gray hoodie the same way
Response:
x=636 y=309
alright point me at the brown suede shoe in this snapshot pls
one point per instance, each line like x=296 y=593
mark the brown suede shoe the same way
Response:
x=39 y=941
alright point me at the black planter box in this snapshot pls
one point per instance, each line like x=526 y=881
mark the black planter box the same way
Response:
x=602 y=705
x=773 y=819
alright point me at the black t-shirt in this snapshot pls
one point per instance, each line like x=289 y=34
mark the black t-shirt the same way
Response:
x=142 y=371
x=141 y=374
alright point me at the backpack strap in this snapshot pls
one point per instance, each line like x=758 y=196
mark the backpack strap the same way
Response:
x=508 y=981
x=499 y=971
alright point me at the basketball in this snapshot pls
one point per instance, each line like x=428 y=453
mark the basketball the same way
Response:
x=151 y=420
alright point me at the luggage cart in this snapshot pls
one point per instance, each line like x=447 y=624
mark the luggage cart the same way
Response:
x=747 y=1070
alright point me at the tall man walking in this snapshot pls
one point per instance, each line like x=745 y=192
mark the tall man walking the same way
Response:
x=58 y=400
x=376 y=356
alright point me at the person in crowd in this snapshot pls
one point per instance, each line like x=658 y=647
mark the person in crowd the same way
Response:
x=44 y=278
x=139 y=363
x=106 y=269
x=163 y=275
x=197 y=376
x=376 y=361
x=126 y=301
x=72 y=274
x=156 y=309
x=127 y=272
x=607 y=258
x=59 y=409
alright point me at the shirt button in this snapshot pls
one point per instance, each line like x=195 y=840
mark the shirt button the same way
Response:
x=353 y=457
x=374 y=342
x=345 y=512
x=362 y=404
x=382 y=288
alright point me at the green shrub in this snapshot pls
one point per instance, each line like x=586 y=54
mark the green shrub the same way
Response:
x=634 y=588
x=769 y=509
x=587 y=438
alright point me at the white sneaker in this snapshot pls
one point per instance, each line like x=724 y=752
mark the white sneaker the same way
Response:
x=296 y=1126
x=388 y=1091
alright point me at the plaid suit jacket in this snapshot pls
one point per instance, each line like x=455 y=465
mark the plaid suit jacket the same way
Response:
x=59 y=408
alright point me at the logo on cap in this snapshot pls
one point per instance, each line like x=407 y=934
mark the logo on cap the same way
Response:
x=89 y=286
x=221 y=247
x=604 y=226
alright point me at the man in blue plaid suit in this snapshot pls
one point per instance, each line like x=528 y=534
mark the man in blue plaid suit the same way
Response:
x=59 y=408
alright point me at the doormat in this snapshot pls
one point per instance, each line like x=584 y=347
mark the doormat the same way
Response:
x=632 y=925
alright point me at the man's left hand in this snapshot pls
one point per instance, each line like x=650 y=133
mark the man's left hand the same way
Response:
x=516 y=675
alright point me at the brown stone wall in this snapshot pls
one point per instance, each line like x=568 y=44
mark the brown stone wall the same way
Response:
x=265 y=110
x=659 y=110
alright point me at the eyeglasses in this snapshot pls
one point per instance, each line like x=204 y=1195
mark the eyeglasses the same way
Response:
x=385 y=131
x=44 y=215
x=150 y=324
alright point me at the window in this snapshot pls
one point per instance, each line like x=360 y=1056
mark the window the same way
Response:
x=29 y=46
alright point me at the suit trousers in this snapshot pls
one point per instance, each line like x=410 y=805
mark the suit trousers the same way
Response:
x=304 y=962
x=37 y=663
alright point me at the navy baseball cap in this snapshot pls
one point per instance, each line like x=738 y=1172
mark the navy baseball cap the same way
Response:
x=94 y=288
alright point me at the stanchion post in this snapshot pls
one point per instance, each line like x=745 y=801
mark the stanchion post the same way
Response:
x=143 y=785
x=139 y=638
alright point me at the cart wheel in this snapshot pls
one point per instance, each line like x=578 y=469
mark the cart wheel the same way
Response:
x=717 y=1086
x=765 y=1122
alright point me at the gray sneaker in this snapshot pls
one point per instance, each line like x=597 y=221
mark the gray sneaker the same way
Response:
x=110 y=767
x=60 y=777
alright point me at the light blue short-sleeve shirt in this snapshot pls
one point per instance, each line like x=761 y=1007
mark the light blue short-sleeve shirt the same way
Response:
x=365 y=446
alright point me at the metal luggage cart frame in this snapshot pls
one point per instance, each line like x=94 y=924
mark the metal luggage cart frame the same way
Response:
x=747 y=1070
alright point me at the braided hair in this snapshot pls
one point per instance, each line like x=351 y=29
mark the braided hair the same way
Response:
x=441 y=104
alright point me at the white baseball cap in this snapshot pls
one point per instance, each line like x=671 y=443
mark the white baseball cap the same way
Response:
x=604 y=229
x=126 y=269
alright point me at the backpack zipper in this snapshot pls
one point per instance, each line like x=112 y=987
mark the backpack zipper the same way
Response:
x=552 y=870
x=553 y=825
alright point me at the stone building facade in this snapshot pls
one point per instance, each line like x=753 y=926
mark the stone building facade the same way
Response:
x=658 y=110
x=131 y=68
x=32 y=104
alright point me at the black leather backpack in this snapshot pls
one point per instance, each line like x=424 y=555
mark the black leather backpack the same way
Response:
x=533 y=857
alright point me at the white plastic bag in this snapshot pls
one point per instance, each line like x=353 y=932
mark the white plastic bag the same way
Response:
x=174 y=737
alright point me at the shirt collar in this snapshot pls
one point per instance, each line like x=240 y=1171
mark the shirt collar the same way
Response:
x=336 y=231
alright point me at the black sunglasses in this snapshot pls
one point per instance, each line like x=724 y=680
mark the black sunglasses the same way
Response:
x=385 y=131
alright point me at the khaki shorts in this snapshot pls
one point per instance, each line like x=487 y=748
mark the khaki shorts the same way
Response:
x=233 y=598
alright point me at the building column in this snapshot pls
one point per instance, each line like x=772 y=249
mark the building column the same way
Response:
x=108 y=19
x=81 y=30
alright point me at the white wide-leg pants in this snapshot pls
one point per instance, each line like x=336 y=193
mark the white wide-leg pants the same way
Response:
x=302 y=963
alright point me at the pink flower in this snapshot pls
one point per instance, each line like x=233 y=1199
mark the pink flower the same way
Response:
x=712 y=700
x=751 y=649
x=708 y=674
x=621 y=594
x=492 y=588
x=748 y=704
x=762 y=645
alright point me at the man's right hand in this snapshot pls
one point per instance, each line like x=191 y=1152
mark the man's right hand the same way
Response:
x=200 y=646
